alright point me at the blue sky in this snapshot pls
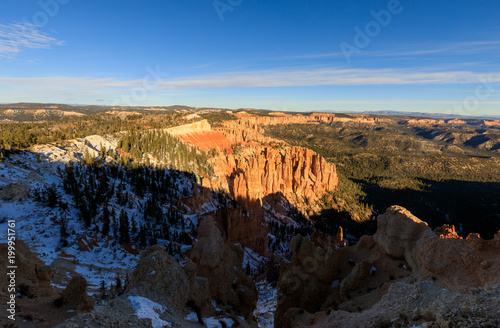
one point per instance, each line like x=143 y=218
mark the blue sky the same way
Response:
x=343 y=55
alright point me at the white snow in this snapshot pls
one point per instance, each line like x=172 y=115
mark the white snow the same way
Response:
x=145 y=308
x=266 y=305
x=215 y=306
x=335 y=283
x=372 y=270
x=192 y=317
x=253 y=259
x=213 y=322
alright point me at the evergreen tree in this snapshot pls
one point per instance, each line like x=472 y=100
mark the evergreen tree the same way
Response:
x=63 y=230
x=106 y=221
x=124 y=236
x=118 y=285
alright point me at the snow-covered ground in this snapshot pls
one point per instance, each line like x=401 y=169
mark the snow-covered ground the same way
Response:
x=39 y=226
x=266 y=305
x=145 y=308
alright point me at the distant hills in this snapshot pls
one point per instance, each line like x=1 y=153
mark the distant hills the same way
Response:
x=419 y=114
x=91 y=109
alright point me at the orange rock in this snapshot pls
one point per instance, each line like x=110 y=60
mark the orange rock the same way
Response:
x=339 y=238
x=447 y=231
x=298 y=174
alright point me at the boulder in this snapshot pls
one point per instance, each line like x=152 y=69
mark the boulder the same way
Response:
x=75 y=295
x=222 y=265
x=13 y=192
x=159 y=278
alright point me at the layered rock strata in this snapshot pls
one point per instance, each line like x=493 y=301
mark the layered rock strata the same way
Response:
x=298 y=174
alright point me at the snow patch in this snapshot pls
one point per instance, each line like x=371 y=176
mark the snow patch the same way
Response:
x=213 y=322
x=192 y=317
x=145 y=308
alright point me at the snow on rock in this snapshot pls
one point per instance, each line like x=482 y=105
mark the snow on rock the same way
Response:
x=145 y=308
x=253 y=260
x=192 y=317
x=266 y=305
x=335 y=283
x=213 y=322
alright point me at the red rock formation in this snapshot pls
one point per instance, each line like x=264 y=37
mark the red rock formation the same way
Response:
x=325 y=241
x=426 y=122
x=491 y=122
x=339 y=238
x=456 y=121
x=241 y=227
x=257 y=175
x=249 y=128
x=200 y=135
x=447 y=231
x=299 y=174
x=207 y=140
x=353 y=118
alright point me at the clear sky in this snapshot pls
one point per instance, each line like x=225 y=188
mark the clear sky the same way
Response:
x=342 y=55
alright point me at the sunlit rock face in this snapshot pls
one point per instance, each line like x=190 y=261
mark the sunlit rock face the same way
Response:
x=404 y=252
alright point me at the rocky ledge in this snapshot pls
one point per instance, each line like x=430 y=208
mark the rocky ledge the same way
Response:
x=403 y=276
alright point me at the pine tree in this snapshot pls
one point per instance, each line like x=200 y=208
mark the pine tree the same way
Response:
x=118 y=286
x=106 y=221
x=102 y=290
x=124 y=236
x=63 y=230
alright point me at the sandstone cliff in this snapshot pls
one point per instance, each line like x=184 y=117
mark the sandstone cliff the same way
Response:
x=200 y=135
x=249 y=128
x=355 y=278
x=298 y=174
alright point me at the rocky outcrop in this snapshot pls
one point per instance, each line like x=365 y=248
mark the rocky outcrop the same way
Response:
x=424 y=122
x=453 y=263
x=13 y=192
x=239 y=226
x=456 y=121
x=491 y=122
x=32 y=275
x=200 y=126
x=213 y=275
x=222 y=265
x=406 y=305
x=201 y=135
x=249 y=129
x=75 y=295
x=447 y=231
x=116 y=313
x=160 y=278
x=298 y=174
x=355 y=278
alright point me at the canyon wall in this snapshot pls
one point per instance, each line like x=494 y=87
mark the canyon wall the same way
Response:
x=248 y=129
x=258 y=177
x=298 y=174
x=200 y=134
